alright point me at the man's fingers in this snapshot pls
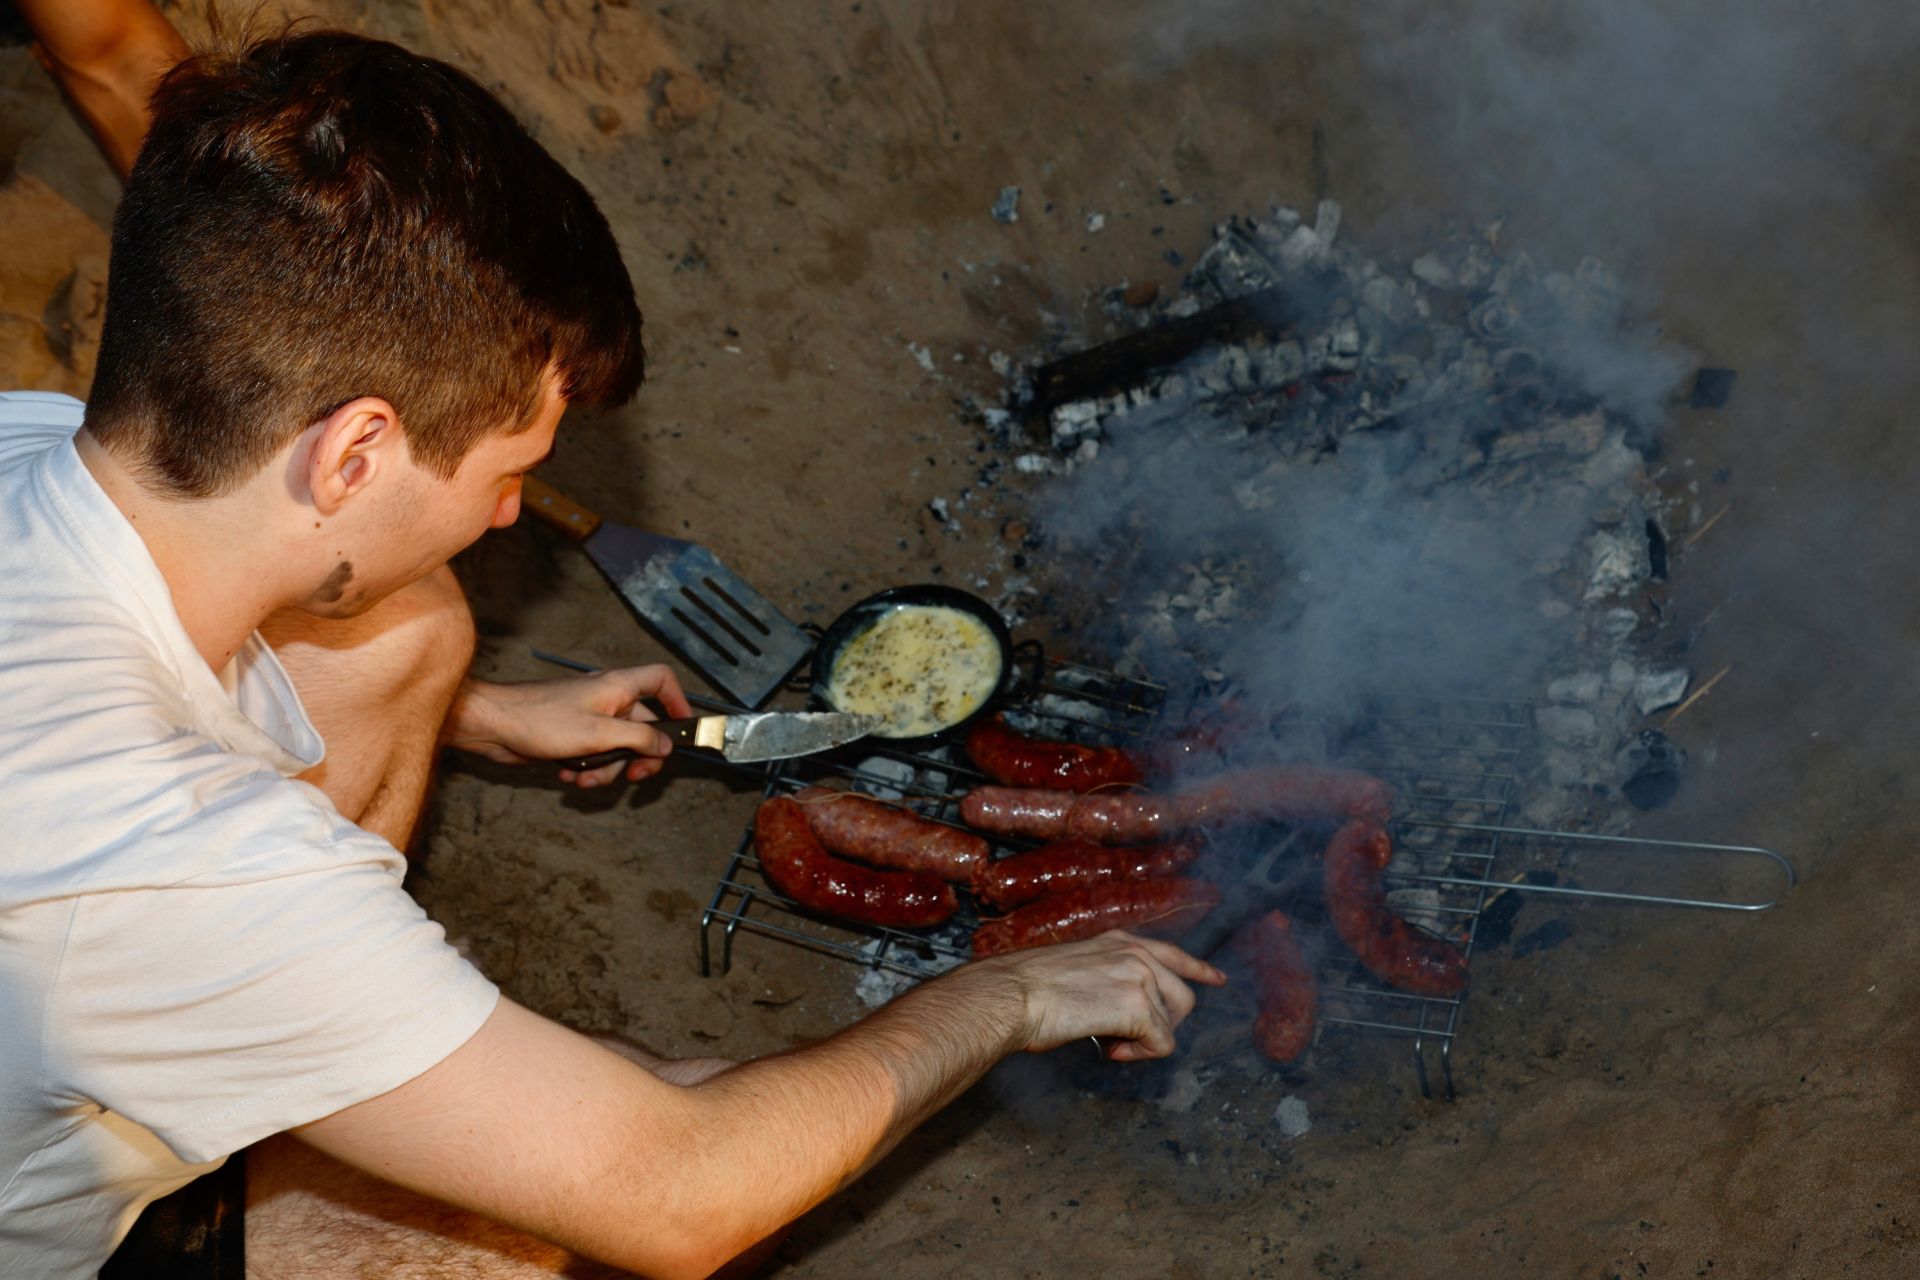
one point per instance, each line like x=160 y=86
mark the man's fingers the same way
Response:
x=655 y=681
x=1155 y=1037
x=1189 y=967
x=596 y=777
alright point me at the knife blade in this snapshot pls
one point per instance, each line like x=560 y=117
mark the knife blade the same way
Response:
x=753 y=737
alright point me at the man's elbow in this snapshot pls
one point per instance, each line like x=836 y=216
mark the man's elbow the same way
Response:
x=703 y=1254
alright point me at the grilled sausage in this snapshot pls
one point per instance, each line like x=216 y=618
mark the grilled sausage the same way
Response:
x=1150 y=906
x=1393 y=951
x=1006 y=755
x=1290 y=791
x=1283 y=985
x=885 y=835
x=1070 y=863
x=800 y=867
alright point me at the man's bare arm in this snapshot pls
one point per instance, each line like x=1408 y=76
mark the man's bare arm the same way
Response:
x=550 y=1132
x=106 y=54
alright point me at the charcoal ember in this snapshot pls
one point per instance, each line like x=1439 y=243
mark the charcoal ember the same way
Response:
x=1494 y=318
x=1613 y=626
x=1233 y=266
x=1650 y=766
x=1616 y=562
x=1656 y=551
x=1073 y=420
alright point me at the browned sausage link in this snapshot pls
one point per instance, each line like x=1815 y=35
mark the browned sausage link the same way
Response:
x=1290 y=791
x=1062 y=815
x=1393 y=951
x=1283 y=985
x=1165 y=907
x=1069 y=863
x=800 y=867
x=887 y=836
x=1008 y=756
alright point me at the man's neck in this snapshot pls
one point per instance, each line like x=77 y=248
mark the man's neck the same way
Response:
x=219 y=564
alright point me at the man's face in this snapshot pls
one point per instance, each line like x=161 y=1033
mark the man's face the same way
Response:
x=426 y=521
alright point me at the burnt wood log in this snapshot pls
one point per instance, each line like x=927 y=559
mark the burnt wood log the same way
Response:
x=1127 y=361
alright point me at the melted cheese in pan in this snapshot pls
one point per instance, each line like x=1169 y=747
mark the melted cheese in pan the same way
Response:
x=923 y=667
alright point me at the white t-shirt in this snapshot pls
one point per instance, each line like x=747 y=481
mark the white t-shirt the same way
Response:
x=196 y=950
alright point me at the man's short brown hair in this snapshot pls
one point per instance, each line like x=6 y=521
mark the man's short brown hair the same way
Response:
x=319 y=216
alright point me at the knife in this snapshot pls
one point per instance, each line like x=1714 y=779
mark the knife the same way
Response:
x=753 y=737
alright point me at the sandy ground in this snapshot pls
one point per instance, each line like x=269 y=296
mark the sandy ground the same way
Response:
x=803 y=191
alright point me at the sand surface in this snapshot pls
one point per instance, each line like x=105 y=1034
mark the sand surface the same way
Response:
x=803 y=195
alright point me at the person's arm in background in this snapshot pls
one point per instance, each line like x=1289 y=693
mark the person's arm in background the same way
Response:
x=106 y=54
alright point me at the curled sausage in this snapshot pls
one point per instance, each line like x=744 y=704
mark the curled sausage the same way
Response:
x=1150 y=906
x=1008 y=756
x=800 y=867
x=1283 y=986
x=1280 y=792
x=1070 y=863
x=1394 y=951
x=888 y=836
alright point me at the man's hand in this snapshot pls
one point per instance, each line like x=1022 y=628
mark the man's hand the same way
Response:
x=567 y=718
x=1118 y=986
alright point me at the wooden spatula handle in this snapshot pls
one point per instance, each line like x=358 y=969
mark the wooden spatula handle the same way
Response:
x=564 y=514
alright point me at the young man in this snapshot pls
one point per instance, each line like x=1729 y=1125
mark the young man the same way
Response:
x=349 y=301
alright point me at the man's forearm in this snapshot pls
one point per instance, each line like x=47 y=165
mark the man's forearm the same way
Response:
x=833 y=1110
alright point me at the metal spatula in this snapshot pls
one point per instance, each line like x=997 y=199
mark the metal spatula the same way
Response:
x=721 y=626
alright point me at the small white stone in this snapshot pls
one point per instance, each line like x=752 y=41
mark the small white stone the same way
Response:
x=1033 y=464
x=1657 y=689
x=1583 y=687
x=1429 y=270
x=1095 y=221
x=1292 y=1118
x=922 y=355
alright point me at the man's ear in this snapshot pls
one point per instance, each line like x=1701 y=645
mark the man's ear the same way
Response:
x=351 y=447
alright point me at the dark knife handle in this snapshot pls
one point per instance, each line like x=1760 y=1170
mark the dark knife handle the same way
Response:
x=680 y=732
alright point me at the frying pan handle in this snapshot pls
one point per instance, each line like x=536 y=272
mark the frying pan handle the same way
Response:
x=542 y=500
x=1026 y=684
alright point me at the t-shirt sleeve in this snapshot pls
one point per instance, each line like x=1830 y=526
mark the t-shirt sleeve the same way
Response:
x=215 y=1013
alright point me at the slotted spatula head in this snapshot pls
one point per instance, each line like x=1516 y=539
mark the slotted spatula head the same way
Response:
x=725 y=629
